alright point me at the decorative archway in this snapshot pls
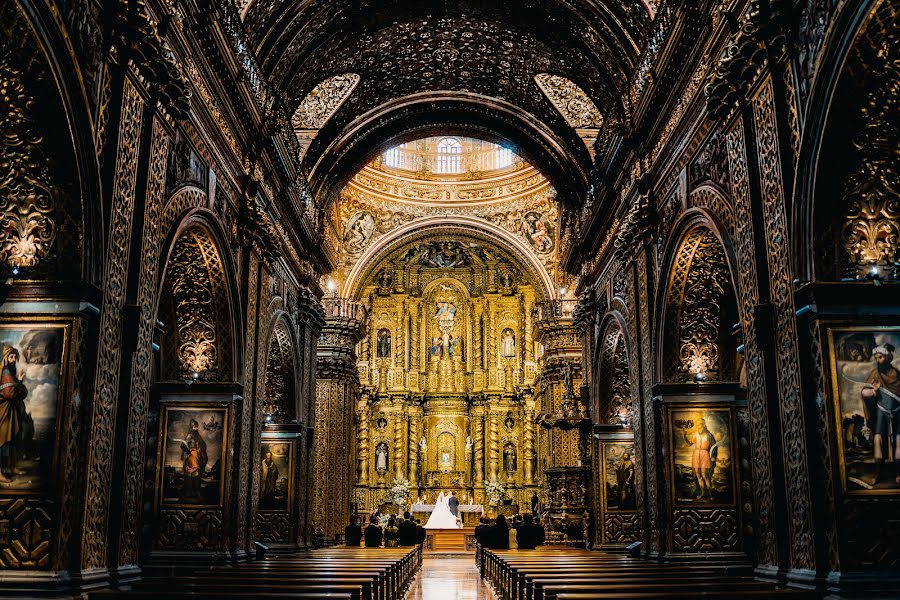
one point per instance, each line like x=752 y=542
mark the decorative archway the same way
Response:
x=613 y=404
x=195 y=306
x=457 y=227
x=698 y=310
x=280 y=397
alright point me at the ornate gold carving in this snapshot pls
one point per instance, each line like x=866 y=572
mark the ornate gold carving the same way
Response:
x=280 y=394
x=199 y=304
x=696 y=299
x=871 y=229
x=28 y=195
x=570 y=100
x=324 y=100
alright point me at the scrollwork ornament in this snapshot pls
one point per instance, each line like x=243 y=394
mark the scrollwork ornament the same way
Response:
x=871 y=228
x=28 y=196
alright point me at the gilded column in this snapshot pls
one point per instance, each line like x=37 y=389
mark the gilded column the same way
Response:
x=337 y=384
x=528 y=452
x=399 y=440
x=478 y=434
x=415 y=415
x=494 y=448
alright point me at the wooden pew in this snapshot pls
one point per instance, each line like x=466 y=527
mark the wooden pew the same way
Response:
x=349 y=573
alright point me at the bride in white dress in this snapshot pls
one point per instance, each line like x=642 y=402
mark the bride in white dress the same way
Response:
x=441 y=517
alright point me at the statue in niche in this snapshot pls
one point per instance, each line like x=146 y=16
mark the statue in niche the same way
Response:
x=437 y=347
x=509 y=422
x=508 y=343
x=383 y=344
x=384 y=279
x=506 y=280
x=381 y=457
x=469 y=444
x=455 y=347
x=509 y=458
x=445 y=315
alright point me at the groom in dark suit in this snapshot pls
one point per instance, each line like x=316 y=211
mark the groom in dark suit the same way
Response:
x=454 y=504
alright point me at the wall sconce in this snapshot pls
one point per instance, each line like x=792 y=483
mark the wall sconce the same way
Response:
x=195 y=376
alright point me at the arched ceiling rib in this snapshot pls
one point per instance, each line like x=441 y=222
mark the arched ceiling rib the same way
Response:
x=490 y=49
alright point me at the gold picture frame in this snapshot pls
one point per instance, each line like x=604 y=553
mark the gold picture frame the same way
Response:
x=38 y=383
x=614 y=476
x=851 y=363
x=283 y=451
x=701 y=462
x=186 y=480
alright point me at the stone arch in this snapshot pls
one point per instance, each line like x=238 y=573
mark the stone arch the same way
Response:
x=612 y=382
x=196 y=305
x=697 y=305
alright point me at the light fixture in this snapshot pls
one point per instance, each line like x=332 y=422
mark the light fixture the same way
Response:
x=699 y=376
x=562 y=291
x=15 y=271
x=331 y=286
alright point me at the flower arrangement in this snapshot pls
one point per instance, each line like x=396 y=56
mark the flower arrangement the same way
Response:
x=399 y=492
x=495 y=491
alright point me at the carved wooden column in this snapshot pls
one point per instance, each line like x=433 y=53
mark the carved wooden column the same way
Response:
x=337 y=386
x=528 y=453
x=310 y=321
x=362 y=443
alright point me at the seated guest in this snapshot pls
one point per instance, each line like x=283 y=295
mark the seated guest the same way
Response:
x=420 y=533
x=353 y=532
x=391 y=533
x=527 y=536
x=481 y=531
x=407 y=531
x=500 y=534
x=373 y=533
x=540 y=532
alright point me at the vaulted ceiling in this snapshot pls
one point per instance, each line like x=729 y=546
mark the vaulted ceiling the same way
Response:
x=440 y=66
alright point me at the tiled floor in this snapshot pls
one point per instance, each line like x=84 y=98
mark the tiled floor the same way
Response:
x=449 y=579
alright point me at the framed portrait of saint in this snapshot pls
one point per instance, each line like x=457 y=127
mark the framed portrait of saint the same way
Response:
x=192 y=455
x=617 y=462
x=34 y=358
x=865 y=380
x=276 y=468
x=701 y=442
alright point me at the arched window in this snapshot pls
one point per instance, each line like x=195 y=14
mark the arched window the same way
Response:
x=394 y=157
x=504 y=157
x=449 y=155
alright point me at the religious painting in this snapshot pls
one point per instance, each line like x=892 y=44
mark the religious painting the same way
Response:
x=539 y=231
x=866 y=383
x=275 y=475
x=193 y=455
x=359 y=231
x=508 y=343
x=617 y=462
x=383 y=344
x=702 y=469
x=32 y=362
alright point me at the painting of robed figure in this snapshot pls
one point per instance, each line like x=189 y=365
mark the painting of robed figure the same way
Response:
x=866 y=383
x=193 y=455
x=30 y=375
x=702 y=457
x=276 y=467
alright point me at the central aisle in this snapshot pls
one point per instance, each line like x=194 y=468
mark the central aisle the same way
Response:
x=449 y=579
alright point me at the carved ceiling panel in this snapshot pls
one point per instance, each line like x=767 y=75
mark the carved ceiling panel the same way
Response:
x=488 y=49
x=570 y=100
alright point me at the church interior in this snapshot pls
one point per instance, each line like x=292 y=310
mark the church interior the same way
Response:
x=625 y=272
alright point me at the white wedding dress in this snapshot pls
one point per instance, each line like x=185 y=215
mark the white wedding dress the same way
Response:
x=441 y=517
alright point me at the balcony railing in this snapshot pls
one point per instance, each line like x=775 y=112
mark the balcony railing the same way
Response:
x=553 y=309
x=344 y=307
